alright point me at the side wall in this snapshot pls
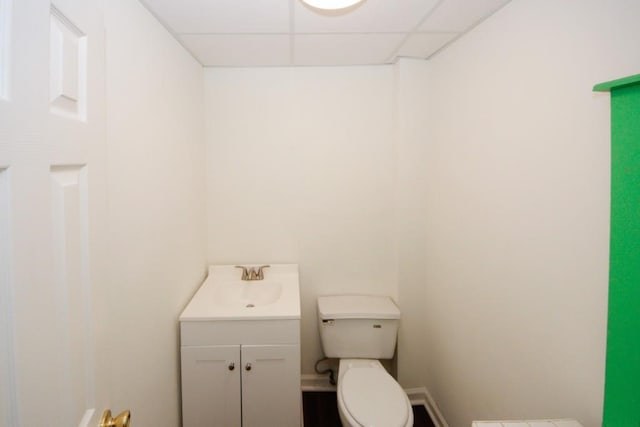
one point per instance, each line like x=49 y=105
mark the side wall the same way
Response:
x=300 y=169
x=517 y=224
x=155 y=140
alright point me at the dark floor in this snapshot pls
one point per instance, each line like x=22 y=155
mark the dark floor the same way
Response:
x=320 y=409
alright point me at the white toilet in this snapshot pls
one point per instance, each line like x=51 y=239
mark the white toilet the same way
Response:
x=359 y=330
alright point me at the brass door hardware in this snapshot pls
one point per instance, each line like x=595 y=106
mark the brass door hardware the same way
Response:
x=122 y=420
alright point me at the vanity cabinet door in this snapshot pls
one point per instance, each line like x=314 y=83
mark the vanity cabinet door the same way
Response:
x=271 y=385
x=211 y=386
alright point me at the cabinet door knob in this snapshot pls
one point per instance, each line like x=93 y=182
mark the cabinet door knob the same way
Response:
x=232 y=366
x=247 y=366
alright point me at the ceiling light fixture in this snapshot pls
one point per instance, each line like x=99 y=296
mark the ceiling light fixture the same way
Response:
x=333 y=5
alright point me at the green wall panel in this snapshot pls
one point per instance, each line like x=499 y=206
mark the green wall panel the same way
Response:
x=622 y=381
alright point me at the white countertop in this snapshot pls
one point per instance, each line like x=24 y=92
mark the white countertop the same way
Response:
x=208 y=303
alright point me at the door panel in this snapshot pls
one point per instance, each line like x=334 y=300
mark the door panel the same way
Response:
x=211 y=386
x=54 y=320
x=70 y=281
x=271 y=387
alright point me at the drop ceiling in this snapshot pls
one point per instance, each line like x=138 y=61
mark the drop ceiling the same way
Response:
x=246 y=33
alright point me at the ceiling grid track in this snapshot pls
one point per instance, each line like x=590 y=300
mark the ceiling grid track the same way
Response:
x=292 y=33
x=392 y=58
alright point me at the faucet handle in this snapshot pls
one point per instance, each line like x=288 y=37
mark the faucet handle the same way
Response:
x=260 y=274
x=245 y=272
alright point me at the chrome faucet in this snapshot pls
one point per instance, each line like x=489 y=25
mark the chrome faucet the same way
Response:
x=252 y=273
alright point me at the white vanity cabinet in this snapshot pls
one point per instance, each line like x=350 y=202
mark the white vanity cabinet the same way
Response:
x=238 y=373
x=240 y=349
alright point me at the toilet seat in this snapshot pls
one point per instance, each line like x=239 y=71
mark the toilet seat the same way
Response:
x=373 y=398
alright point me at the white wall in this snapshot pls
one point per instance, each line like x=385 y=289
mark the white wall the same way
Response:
x=156 y=207
x=517 y=224
x=300 y=169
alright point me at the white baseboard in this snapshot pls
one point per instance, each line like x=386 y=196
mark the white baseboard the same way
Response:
x=316 y=382
x=421 y=396
x=417 y=396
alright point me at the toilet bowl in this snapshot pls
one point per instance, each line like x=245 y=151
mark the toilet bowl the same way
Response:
x=359 y=330
x=369 y=397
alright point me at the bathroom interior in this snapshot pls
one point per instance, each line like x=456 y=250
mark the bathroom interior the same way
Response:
x=472 y=187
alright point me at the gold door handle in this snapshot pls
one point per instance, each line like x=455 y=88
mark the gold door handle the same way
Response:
x=122 y=420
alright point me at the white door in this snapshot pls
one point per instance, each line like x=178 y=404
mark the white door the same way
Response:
x=53 y=299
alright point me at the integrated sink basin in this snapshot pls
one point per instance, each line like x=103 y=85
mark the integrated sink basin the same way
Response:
x=247 y=294
x=224 y=295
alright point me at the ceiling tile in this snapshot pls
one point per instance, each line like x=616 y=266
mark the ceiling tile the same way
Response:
x=385 y=16
x=423 y=45
x=258 y=32
x=223 y=16
x=459 y=15
x=344 y=49
x=239 y=50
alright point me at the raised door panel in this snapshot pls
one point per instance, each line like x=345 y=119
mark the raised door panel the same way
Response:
x=211 y=386
x=271 y=385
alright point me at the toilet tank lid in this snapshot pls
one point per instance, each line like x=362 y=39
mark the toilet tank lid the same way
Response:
x=357 y=307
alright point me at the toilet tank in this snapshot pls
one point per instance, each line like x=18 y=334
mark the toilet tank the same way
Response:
x=358 y=326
